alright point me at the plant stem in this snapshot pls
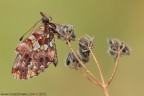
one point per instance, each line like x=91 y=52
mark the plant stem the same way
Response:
x=106 y=91
x=98 y=65
x=114 y=71
x=100 y=71
x=103 y=85
x=99 y=83
x=92 y=81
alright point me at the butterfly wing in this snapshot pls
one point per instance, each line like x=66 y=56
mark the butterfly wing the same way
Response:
x=34 y=54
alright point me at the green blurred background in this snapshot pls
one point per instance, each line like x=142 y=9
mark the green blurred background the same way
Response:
x=122 y=19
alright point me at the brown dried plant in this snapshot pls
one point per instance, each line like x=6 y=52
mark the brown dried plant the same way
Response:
x=77 y=61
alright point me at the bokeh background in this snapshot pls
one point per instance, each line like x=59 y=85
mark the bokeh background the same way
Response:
x=122 y=19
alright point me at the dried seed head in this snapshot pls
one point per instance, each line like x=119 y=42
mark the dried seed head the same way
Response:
x=65 y=30
x=117 y=47
x=86 y=42
x=125 y=50
x=72 y=62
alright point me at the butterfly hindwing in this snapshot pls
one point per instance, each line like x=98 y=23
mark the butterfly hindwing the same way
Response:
x=35 y=53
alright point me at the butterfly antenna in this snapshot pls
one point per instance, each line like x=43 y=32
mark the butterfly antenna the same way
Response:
x=29 y=30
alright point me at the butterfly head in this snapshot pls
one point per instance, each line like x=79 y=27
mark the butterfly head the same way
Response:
x=45 y=18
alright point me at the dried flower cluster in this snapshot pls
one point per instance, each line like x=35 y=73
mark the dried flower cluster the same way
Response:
x=65 y=32
x=76 y=61
x=83 y=53
x=117 y=47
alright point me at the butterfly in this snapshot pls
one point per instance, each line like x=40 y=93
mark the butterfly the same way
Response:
x=38 y=50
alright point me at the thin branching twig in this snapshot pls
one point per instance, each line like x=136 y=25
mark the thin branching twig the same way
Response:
x=96 y=80
x=114 y=71
x=86 y=76
x=100 y=71
x=89 y=75
x=99 y=83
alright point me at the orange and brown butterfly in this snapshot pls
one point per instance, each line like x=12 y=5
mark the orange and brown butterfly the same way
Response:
x=36 y=51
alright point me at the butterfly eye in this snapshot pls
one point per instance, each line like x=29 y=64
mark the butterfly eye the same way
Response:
x=45 y=20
